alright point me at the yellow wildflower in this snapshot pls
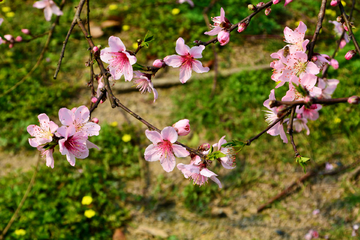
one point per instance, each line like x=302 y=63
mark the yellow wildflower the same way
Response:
x=125 y=27
x=330 y=12
x=114 y=124
x=10 y=14
x=343 y=3
x=126 y=137
x=20 y=232
x=113 y=6
x=175 y=11
x=87 y=200
x=89 y=213
x=135 y=45
x=6 y=9
x=337 y=120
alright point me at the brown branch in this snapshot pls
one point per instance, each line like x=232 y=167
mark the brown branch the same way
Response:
x=291 y=130
x=37 y=64
x=318 y=28
x=276 y=103
x=347 y=22
x=31 y=183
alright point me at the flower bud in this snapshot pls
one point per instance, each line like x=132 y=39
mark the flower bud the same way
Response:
x=241 y=27
x=159 y=63
x=182 y=127
x=339 y=19
x=260 y=4
x=342 y=43
x=334 y=63
x=350 y=54
x=25 y=31
x=18 y=39
x=223 y=37
x=314 y=58
x=267 y=11
x=93 y=99
x=354 y=100
x=251 y=7
x=334 y=3
x=95 y=120
x=345 y=27
x=95 y=49
x=276 y=1
x=11 y=45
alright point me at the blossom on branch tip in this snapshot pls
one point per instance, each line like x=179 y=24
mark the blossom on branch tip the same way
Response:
x=119 y=60
x=182 y=127
x=354 y=100
x=267 y=11
x=221 y=28
x=49 y=8
x=144 y=83
x=186 y=60
x=163 y=148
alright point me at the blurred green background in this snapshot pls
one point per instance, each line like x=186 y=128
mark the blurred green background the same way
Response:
x=54 y=209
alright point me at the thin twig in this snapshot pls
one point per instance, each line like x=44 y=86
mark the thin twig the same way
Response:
x=40 y=57
x=347 y=22
x=31 y=183
x=318 y=28
x=276 y=103
x=291 y=130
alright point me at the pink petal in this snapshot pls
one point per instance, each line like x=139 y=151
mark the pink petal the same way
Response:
x=222 y=15
x=91 y=129
x=90 y=145
x=198 y=67
x=128 y=72
x=173 y=60
x=312 y=68
x=49 y=158
x=39 y=4
x=153 y=136
x=217 y=181
x=47 y=13
x=196 y=51
x=170 y=134
x=105 y=55
x=66 y=116
x=181 y=48
x=116 y=44
x=185 y=72
x=56 y=10
x=214 y=31
x=301 y=28
x=152 y=153
x=82 y=115
x=168 y=163
x=207 y=173
x=180 y=151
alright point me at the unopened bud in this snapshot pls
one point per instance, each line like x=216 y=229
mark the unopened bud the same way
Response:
x=95 y=120
x=260 y=4
x=280 y=109
x=339 y=19
x=350 y=54
x=95 y=49
x=354 y=100
x=159 y=63
x=11 y=45
x=25 y=31
x=334 y=3
x=241 y=27
x=223 y=37
x=334 y=63
x=276 y=1
x=345 y=27
x=314 y=58
x=93 y=99
x=251 y=7
x=182 y=127
x=267 y=11
x=18 y=39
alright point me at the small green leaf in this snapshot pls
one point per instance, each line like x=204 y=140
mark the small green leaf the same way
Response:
x=138 y=67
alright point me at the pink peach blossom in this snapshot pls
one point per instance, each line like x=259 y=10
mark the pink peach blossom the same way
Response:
x=228 y=161
x=44 y=133
x=186 y=60
x=182 y=127
x=144 y=84
x=163 y=148
x=49 y=8
x=221 y=28
x=119 y=59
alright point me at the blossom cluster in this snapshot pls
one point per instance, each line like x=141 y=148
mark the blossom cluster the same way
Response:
x=293 y=69
x=164 y=149
x=72 y=136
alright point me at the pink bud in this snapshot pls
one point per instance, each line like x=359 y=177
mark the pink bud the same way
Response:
x=345 y=27
x=93 y=99
x=18 y=39
x=158 y=63
x=204 y=147
x=276 y=1
x=8 y=37
x=354 y=100
x=350 y=54
x=342 y=43
x=314 y=58
x=339 y=19
x=182 y=127
x=95 y=120
x=241 y=27
x=267 y=11
x=260 y=4
x=334 y=63
x=95 y=49
x=334 y=3
x=11 y=45
x=223 y=37
x=26 y=31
